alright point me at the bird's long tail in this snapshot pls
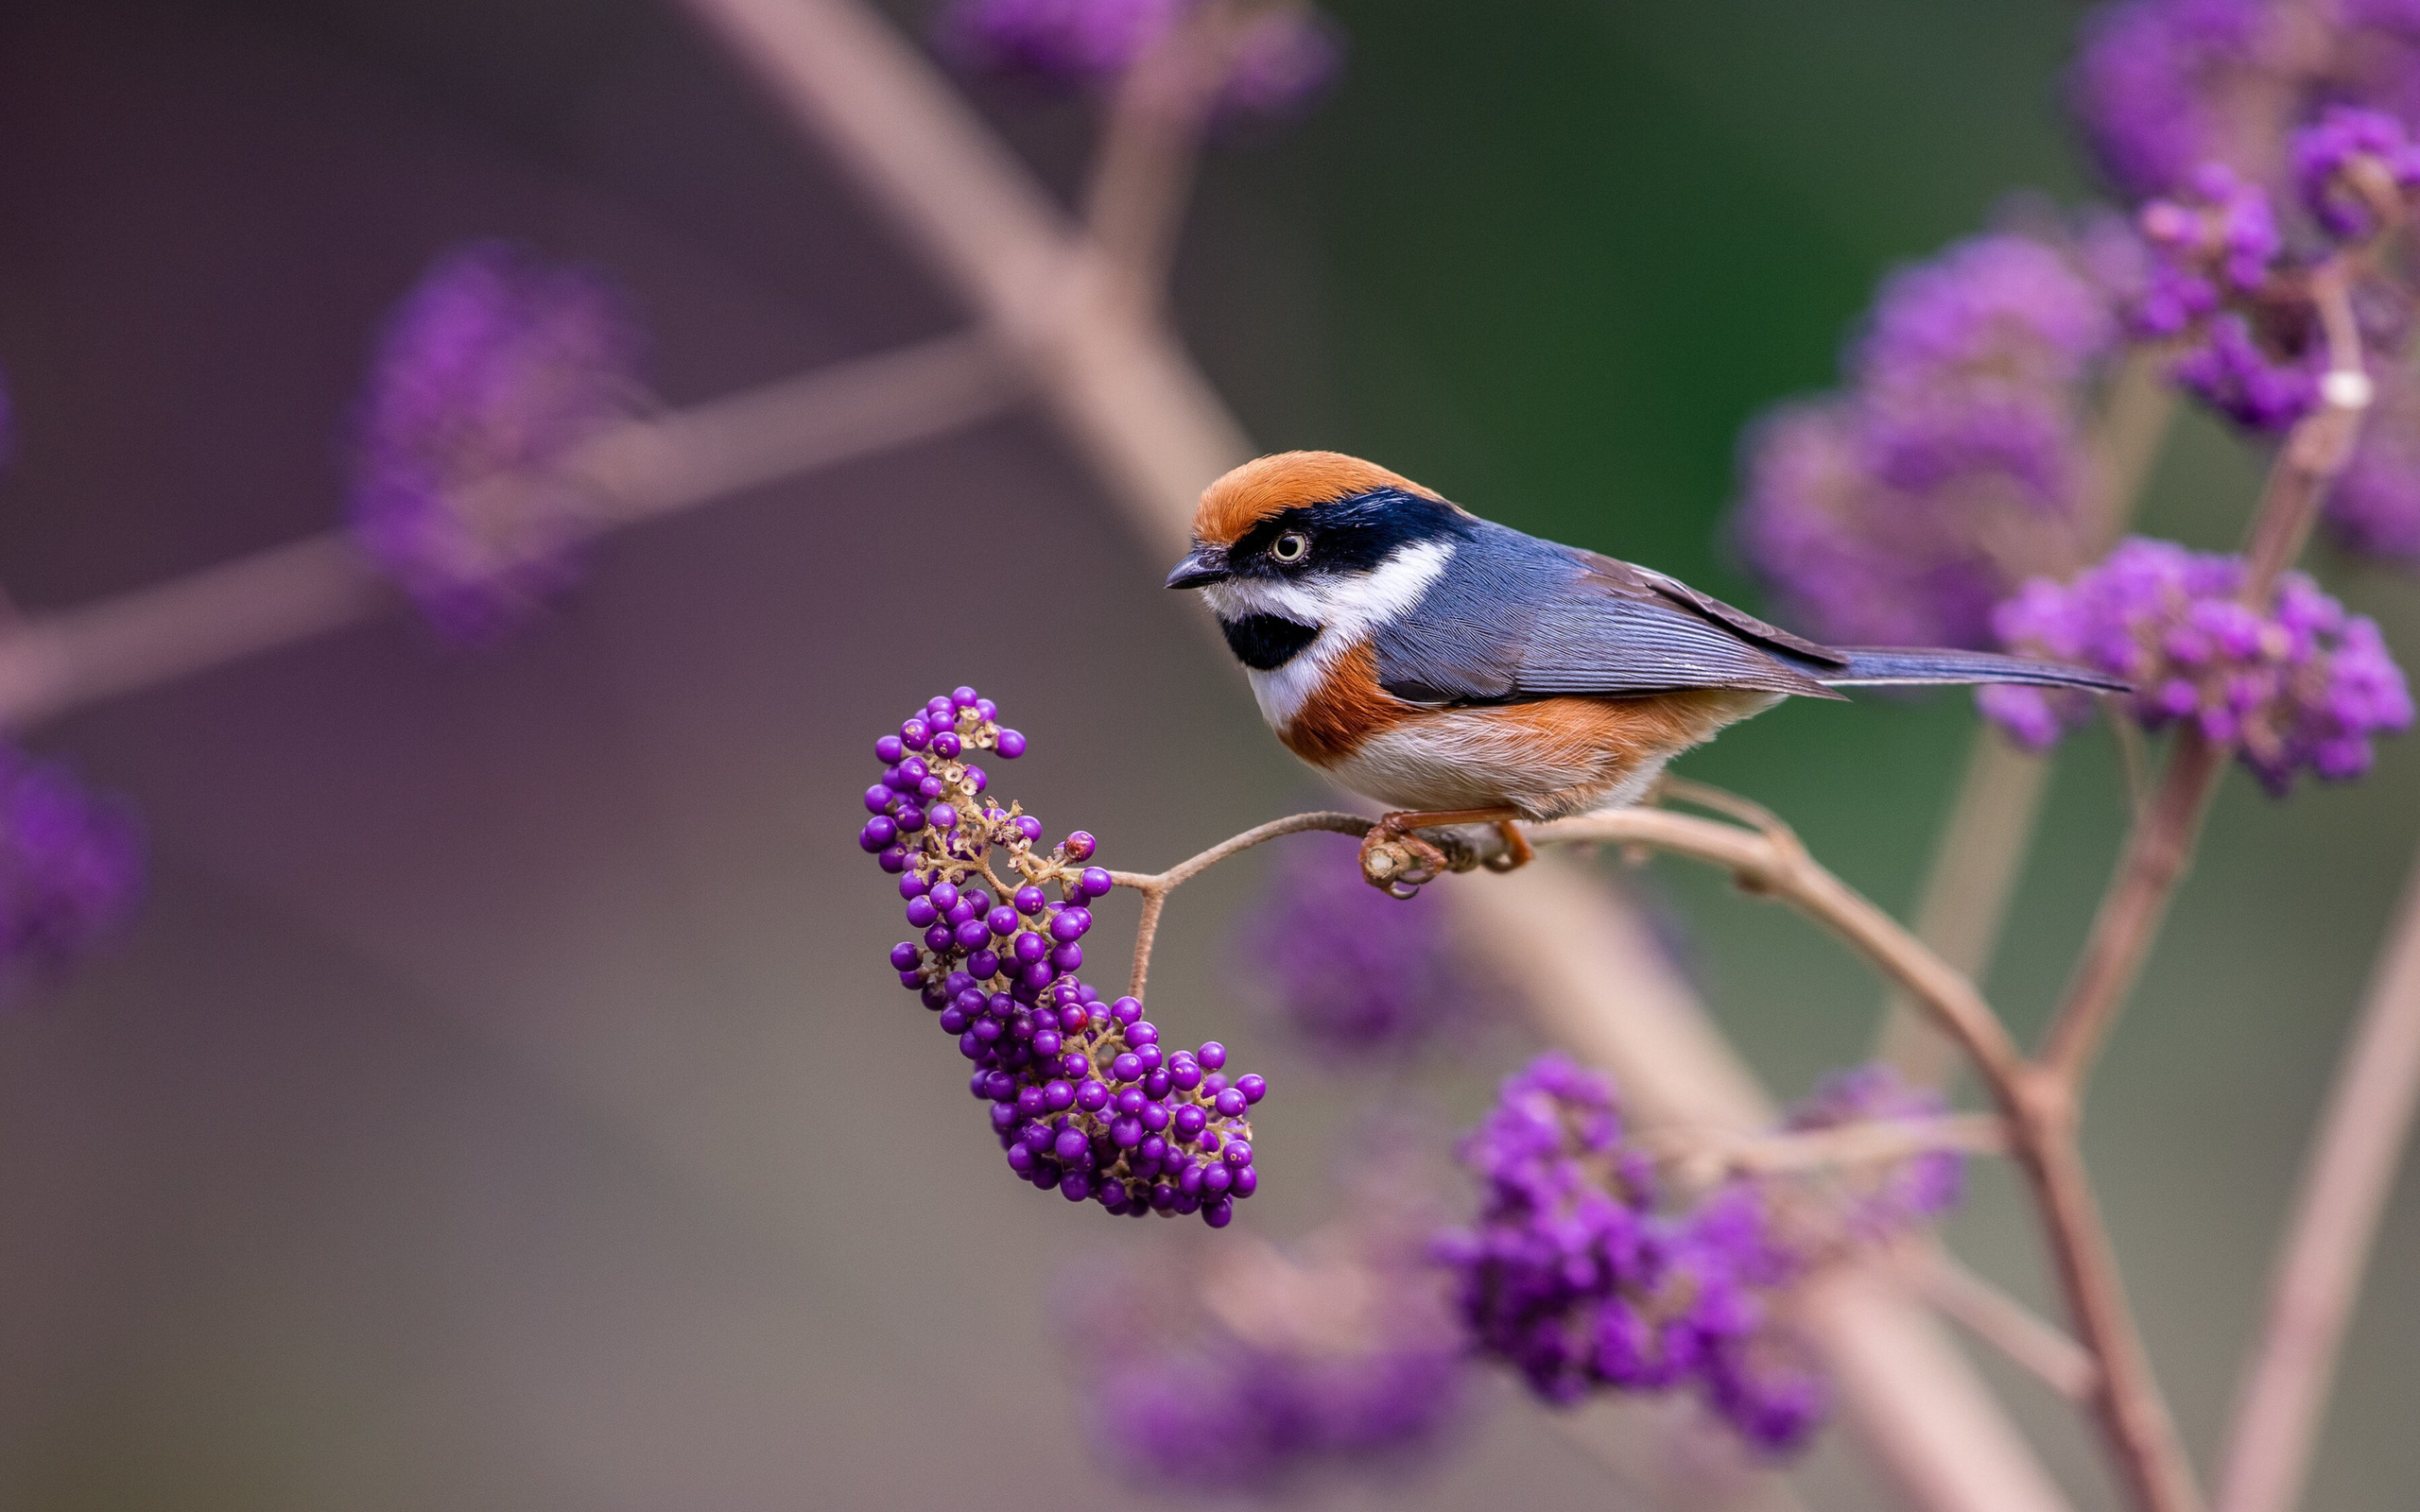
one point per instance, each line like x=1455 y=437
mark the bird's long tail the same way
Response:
x=1884 y=666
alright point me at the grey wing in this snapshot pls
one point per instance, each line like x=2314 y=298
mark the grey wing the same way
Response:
x=1517 y=619
x=1625 y=645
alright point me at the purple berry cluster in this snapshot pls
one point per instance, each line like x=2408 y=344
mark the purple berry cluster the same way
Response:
x=1353 y=973
x=493 y=370
x=71 y=868
x=1576 y=1275
x=1084 y=1099
x=1250 y=1367
x=1283 y=61
x=1901 y=511
x=2305 y=685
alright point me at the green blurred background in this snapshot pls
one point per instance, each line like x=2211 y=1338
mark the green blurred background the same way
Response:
x=501 y=1104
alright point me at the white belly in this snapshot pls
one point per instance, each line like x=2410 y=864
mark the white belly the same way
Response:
x=1472 y=760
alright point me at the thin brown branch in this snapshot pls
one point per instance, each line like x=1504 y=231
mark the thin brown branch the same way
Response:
x=1975 y=870
x=1711 y=1155
x=1780 y=867
x=2002 y=1322
x=2158 y=849
x=2133 y=1417
x=53 y=662
x=2345 y=1184
x=1156 y=886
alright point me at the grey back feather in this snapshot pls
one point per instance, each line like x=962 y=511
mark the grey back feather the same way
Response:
x=1513 y=618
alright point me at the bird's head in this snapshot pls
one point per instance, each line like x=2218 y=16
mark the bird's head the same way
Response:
x=1288 y=546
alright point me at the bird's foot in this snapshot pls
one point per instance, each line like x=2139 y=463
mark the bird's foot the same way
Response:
x=1398 y=860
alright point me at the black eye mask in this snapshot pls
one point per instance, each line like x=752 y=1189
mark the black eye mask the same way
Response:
x=1267 y=642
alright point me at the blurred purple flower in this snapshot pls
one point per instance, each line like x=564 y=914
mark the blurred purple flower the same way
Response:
x=1283 y=63
x=1284 y=58
x=1894 y=1196
x=2353 y=170
x=2163 y=86
x=71 y=868
x=493 y=370
x=1355 y=972
x=2375 y=507
x=2304 y=685
x=1573 y=1276
x=1257 y=1368
x=1059 y=42
x=1903 y=509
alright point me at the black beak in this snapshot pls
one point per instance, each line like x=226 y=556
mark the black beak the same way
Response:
x=1203 y=564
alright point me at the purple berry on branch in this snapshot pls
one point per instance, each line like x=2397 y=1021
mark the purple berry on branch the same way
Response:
x=1001 y=976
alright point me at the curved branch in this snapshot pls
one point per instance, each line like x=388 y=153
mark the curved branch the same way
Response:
x=1772 y=862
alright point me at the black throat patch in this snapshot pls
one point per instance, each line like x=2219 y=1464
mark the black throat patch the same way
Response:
x=1267 y=642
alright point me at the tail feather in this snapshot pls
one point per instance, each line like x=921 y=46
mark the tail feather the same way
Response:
x=1900 y=666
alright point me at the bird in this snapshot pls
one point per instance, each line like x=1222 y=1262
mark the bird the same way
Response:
x=1458 y=670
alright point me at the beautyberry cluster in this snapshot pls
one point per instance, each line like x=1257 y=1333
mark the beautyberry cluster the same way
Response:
x=71 y=868
x=1574 y=1273
x=1084 y=1098
x=1900 y=509
x=2305 y=685
x=493 y=370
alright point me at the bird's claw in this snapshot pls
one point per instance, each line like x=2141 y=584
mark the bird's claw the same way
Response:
x=1399 y=862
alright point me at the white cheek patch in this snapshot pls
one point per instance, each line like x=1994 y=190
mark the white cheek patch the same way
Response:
x=1347 y=609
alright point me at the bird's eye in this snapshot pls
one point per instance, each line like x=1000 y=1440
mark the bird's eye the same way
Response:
x=1291 y=547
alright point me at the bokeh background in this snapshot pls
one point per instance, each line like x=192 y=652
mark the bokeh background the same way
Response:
x=500 y=1104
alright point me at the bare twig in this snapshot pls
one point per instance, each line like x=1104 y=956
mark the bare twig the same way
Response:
x=2345 y=1183
x=1711 y=1155
x=1763 y=864
x=2158 y=849
x=1156 y=886
x=53 y=662
x=1975 y=870
x=2002 y=1322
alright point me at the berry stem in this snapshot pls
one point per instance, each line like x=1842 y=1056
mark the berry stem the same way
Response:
x=1156 y=886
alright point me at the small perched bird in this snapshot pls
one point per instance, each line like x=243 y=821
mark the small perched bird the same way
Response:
x=1462 y=672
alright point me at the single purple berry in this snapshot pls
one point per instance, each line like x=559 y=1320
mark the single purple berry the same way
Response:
x=1011 y=745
